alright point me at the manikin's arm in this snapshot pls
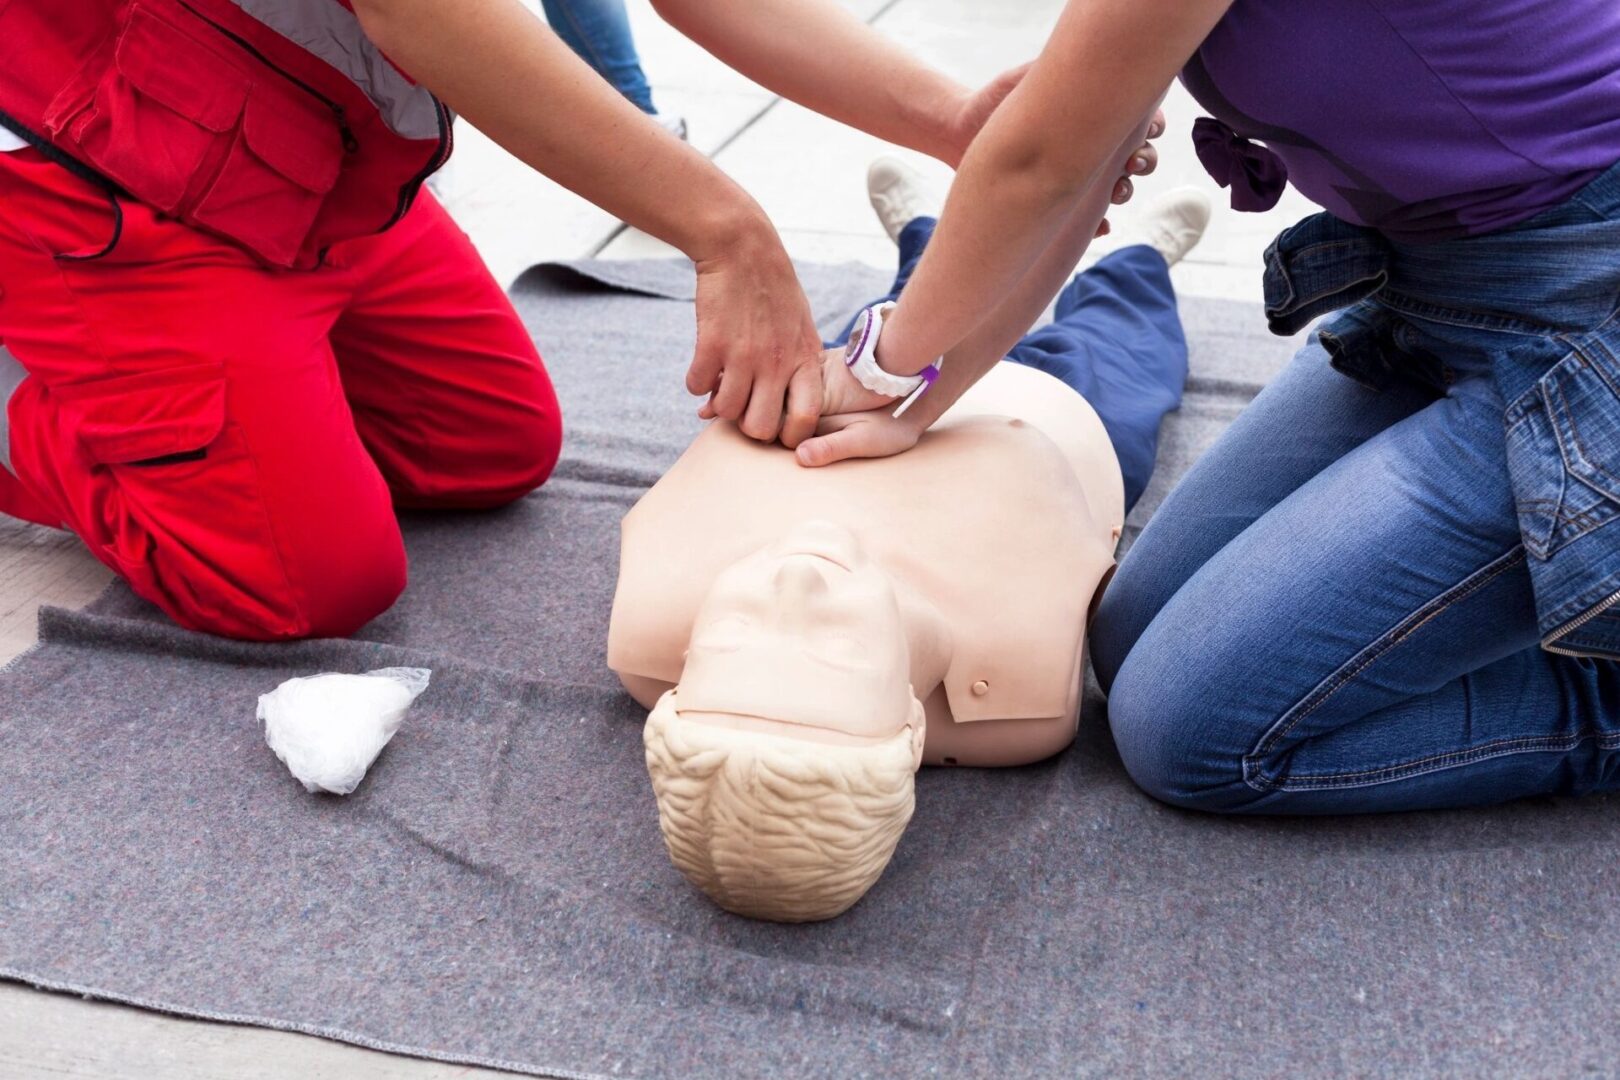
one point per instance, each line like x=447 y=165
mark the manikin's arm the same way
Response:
x=877 y=433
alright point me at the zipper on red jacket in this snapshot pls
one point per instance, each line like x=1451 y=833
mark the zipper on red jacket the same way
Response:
x=407 y=194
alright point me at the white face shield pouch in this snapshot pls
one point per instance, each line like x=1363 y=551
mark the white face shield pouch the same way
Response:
x=328 y=729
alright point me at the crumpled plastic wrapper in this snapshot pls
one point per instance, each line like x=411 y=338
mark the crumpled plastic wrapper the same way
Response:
x=328 y=729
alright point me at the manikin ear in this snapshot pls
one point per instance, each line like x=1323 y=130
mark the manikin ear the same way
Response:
x=919 y=730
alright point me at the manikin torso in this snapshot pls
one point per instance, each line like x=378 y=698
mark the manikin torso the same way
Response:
x=995 y=533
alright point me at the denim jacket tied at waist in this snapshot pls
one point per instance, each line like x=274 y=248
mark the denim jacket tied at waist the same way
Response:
x=1550 y=289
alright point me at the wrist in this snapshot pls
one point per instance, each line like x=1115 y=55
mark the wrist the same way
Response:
x=894 y=352
x=918 y=419
x=735 y=227
x=949 y=122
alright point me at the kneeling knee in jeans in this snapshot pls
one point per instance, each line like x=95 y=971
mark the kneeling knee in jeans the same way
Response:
x=1178 y=741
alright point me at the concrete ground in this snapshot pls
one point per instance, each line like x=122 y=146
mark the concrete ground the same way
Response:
x=809 y=174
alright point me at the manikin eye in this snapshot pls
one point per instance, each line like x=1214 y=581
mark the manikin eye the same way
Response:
x=840 y=650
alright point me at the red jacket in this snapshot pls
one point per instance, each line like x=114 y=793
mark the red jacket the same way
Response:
x=277 y=125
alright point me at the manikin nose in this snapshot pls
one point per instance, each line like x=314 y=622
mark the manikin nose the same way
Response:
x=800 y=579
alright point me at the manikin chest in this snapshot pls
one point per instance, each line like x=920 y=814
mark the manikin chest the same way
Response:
x=985 y=520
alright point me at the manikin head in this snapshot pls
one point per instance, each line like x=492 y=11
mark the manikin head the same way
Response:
x=783 y=762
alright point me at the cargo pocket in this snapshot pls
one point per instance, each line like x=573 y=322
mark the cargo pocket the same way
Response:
x=180 y=509
x=158 y=115
x=141 y=419
x=179 y=501
x=284 y=160
x=1563 y=449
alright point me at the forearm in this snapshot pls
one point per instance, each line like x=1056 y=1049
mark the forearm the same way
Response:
x=817 y=54
x=1060 y=136
x=503 y=70
x=992 y=339
x=865 y=429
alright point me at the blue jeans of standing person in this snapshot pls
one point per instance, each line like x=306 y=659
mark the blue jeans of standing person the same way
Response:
x=599 y=31
x=1333 y=612
x=1115 y=338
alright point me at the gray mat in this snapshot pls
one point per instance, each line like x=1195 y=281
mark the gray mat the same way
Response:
x=496 y=891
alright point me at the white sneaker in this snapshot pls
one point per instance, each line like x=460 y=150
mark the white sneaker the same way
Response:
x=899 y=193
x=674 y=123
x=1172 y=224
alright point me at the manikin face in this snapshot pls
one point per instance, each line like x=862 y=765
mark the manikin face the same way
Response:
x=799 y=644
x=805 y=632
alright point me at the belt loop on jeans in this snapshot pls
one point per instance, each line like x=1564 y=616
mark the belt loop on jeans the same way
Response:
x=1320 y=265
x=12 y=373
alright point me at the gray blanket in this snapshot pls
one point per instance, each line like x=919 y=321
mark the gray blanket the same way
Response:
x=496 y=890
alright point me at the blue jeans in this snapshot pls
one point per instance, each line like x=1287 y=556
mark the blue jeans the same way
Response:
x=1115 y=338
x=1333 y=612
x=599 y=31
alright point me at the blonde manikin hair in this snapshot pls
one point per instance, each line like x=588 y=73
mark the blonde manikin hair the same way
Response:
x=778 y=828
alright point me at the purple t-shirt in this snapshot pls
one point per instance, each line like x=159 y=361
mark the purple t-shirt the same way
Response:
x=1426 y=119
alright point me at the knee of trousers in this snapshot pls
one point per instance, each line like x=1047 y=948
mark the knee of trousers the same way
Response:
x=1180 y=739
x=496 y=466
x=525 y=461
x=1120 y=619
x=312 y=578
x=356 y=586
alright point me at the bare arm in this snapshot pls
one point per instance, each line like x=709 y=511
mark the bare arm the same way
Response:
x=819 y=55
x=877 y=433
x=1052 y=140
x=507 y=73
x=502 y=69
x=991 y=340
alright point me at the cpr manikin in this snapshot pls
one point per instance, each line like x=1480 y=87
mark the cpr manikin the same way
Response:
x=805 y=638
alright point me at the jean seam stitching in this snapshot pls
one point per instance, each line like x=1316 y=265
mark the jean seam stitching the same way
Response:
x=1608 y=321
x=1575 y=434
x=1596 y=343
x=1371 y=654
x=1325 y=245
x=1591 y=596
x=1581 y=529
x=1495 y=748
x=1555 y=509
x=1585 y=521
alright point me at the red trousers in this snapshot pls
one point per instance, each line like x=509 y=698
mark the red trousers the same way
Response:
x=233 y=441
